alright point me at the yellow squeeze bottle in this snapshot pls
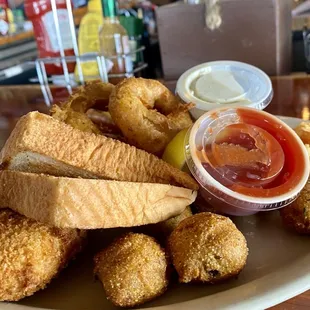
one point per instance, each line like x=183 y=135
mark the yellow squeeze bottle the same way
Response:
x=88 y=40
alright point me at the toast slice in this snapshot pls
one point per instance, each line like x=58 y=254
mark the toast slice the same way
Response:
x=90 y=203
x=41 y=144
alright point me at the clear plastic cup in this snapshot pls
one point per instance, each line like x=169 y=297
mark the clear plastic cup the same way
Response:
x=246 y=160
x=224 y=83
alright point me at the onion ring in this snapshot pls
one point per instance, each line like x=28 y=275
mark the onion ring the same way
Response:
x=94 y=94
x=147 y=113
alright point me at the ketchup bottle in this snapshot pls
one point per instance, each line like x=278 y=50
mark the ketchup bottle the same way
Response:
x=4 y=26
x=41 y=15
x=3 y=8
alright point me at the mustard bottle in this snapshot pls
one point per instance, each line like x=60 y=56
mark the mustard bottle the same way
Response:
x=88 y=39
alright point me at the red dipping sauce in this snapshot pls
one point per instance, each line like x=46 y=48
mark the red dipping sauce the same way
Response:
x=246 y=160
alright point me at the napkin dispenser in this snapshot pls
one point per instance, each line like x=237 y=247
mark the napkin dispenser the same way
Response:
x=255 y=32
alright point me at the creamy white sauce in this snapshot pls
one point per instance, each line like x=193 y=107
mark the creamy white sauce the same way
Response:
x=218 y=86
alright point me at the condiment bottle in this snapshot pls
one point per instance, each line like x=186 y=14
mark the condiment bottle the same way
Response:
x=4 y=25
x=246 y=160
x=41 y=15
x=89 y=39
x=134 y=28
x=114 y=43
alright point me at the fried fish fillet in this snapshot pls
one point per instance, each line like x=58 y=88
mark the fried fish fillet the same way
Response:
x=32 y=254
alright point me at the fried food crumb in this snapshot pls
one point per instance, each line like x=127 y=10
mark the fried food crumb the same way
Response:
x=162 y=230
x=31 y=254
x=303 y=131
x=168 y=226
x=207 y=248
x=133 y=270
x=75 y=119
x=297 y=215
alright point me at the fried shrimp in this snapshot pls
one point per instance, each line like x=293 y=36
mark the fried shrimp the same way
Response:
x=296 y=216
x=147 y=113
x=78 y=110
x=207 y=248
x=133 y=270
x=31 y=254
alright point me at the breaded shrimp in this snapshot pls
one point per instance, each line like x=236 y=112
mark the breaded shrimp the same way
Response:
x=147 y=113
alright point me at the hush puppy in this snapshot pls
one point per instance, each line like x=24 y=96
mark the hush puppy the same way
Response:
x=207 y=248
x=32 y=254
x=133 y=270
x=303 y=131
x=168 y=226
x=297 y=215
x=162 y=230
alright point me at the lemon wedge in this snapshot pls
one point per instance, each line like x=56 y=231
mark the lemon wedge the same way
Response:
x=174 y=152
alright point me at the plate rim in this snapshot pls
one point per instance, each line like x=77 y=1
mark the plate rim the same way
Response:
x=239 y=298
x=245 y=296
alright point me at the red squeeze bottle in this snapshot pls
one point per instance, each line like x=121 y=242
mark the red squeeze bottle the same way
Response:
x=4 y=6
x=40 y=13
x=4 y=26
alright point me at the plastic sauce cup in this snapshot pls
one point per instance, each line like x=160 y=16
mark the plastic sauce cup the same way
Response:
x=224 y=83
x=246 y=160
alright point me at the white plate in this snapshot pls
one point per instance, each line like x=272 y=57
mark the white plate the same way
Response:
x=277 y=269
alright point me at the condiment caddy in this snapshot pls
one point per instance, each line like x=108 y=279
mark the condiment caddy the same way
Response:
x=64 y=62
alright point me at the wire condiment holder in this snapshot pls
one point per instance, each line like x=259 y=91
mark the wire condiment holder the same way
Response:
x=44 y=80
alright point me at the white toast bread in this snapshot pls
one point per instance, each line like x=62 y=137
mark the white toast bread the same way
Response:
x=41 y=144
x=90 y=203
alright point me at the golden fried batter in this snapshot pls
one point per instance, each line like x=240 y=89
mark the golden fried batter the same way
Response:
x=78 y=110
x=94 y=94
x=308 y=148
x=104 y=122
x=162 y=230
x=168 y=226
x=31 y=254
x=78 y=120
x=147 y=113
x=297 y=215
x=303 y=131
x=133 y=270
x=208 y=248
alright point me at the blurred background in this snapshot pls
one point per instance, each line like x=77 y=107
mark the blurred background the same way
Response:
x=65 y=43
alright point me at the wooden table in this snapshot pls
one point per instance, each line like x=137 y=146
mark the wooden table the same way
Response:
x=291 y=98
x=9 y=39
